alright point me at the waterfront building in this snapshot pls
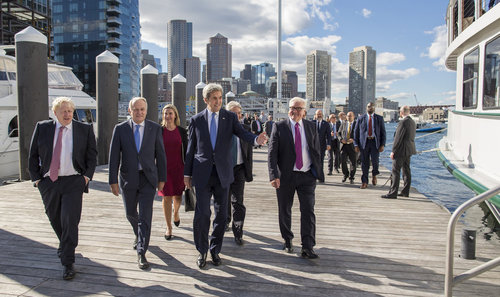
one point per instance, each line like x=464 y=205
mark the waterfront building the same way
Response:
x=147 y=59
x=382 y=102
x=318 y=75
x=192 y=70
x=219 y=58
x=291 y=78
x=286 y=90
x=83 y=29
x=15 y=16
x=158 y=65
x=243 y=85
x=179 y=45
x=164 y=88
x=362 y=78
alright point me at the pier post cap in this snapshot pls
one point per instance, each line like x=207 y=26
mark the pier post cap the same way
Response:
x=178 y=78
x=107 y=57
x=230 y=94
x=148 y=69
x=200 y=85
x=30 y=34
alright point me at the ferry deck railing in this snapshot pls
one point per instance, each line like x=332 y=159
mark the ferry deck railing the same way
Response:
x=450 y=280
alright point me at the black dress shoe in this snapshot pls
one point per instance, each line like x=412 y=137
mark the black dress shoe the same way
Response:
x=351 y=181
x=337 y=170
x=141 y=260
x=238 y=240
x=308 y=253
x=202 y=260
x=134 y=245
x=403 y=195
x=386 y=196
x=215 y=259
x=344 y=179
x=330 y=173
x=68 y=272
x=169 y=237
x=288 y=247
x=227 y=227
x=177 y=223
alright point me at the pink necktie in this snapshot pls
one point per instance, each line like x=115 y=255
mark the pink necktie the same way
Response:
x=56 y=156
x=298 y=147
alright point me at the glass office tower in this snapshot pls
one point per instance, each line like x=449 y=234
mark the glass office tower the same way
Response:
x=83 y=29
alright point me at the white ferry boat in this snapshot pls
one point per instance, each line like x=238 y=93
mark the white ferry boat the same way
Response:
x=470 y=149
x=62 y=82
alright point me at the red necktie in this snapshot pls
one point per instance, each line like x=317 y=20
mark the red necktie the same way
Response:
x=370 y=127
x=56 y=156
x=298 y=147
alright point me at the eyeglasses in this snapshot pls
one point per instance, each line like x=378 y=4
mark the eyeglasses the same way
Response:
x=297 y=108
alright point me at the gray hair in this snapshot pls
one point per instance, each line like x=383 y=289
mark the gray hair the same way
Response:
x=295 y=99
x=60 y=100
x=134 y=100
x=233 y=104
x=405 y=109
x=210 y=88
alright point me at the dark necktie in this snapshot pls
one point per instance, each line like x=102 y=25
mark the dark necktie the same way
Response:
x=235 y=150
x=370 y=133
x=213 y=131
x=298 y=147
x=55 y=163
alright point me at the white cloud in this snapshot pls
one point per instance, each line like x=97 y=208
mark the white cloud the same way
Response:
x=366 y=13
x=389 y=58
x=386 y=77
x=437 y=49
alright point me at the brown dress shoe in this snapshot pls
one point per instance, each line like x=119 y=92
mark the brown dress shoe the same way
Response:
x=374 y=180
x=364 y=186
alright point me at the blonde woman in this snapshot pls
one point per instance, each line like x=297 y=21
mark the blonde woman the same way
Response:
x=175 y=142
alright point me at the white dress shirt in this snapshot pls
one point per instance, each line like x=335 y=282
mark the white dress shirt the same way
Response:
x=306 y=160
x=141 y=135
x=66 y=167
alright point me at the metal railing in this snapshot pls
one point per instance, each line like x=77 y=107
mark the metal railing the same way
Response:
x=450 y=280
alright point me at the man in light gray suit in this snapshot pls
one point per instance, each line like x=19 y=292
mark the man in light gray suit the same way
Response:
x=402 y=150
x=137 y=151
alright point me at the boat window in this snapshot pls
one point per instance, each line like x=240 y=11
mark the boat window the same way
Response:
x=470 y=81
x=491 y=88
x=83 y=115
x=13 y=127
x=468 y=13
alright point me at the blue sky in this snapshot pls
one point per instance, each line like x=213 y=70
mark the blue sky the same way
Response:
x=409 y=37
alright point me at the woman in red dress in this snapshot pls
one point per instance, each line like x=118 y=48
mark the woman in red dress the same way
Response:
x=175 y=142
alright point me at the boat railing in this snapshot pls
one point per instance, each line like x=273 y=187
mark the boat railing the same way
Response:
x=462 y=13
x=451 y=280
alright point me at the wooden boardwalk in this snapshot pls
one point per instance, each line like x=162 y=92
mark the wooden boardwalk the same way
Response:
x=368 y=246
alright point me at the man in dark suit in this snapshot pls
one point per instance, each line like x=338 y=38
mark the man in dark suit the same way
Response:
x=242 y=156
x=137 y=155
x=268 y=125
x=209 y=168
x=334 y=152
x=294 y=166
x=402 y=150
x=62 y=161
x=324 y=133
x=256 y=125
x=369 y=138
x=346 y=137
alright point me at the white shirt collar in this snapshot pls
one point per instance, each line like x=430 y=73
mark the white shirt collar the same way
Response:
x=69 y=126
x=141 y=124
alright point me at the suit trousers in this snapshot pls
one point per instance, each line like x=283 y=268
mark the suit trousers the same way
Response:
x=348 y=153
x=140 y=221
x=397 y=164
x=201 y=222
x=334 y=156
x=369 y=152
x=63 y=205
x=304 y=183
x=236 y=192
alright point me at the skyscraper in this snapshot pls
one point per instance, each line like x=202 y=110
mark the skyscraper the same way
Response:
x=362 y=78
x=247 y=72
x=291 y=78
x=83 y=29
x=219 y=58
x=318 y=75
x=192 y=68
x=260 y=75
x=180 y=46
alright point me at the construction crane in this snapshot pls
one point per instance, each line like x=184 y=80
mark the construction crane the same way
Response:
x=415 y=96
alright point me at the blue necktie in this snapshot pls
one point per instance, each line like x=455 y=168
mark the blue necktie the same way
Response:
x=137 y=137
x=213 y=131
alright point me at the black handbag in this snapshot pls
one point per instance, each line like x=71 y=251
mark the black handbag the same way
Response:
x=189 y=199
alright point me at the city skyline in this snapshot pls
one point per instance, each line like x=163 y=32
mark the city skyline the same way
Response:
x=409 y=55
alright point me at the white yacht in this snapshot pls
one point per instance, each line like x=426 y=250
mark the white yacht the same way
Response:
x=470 y=149
x=62 y=82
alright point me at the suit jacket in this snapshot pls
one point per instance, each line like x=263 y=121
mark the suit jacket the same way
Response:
x=255 y=127
x=200 y=156
x=361 y=131
x=325 y=136
x=342 y=134
x=124 y=157
x=42 y=143
x=281 y=155
x=404 y=140
x=247 y=156
x=184 y=140
x=268 y=127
